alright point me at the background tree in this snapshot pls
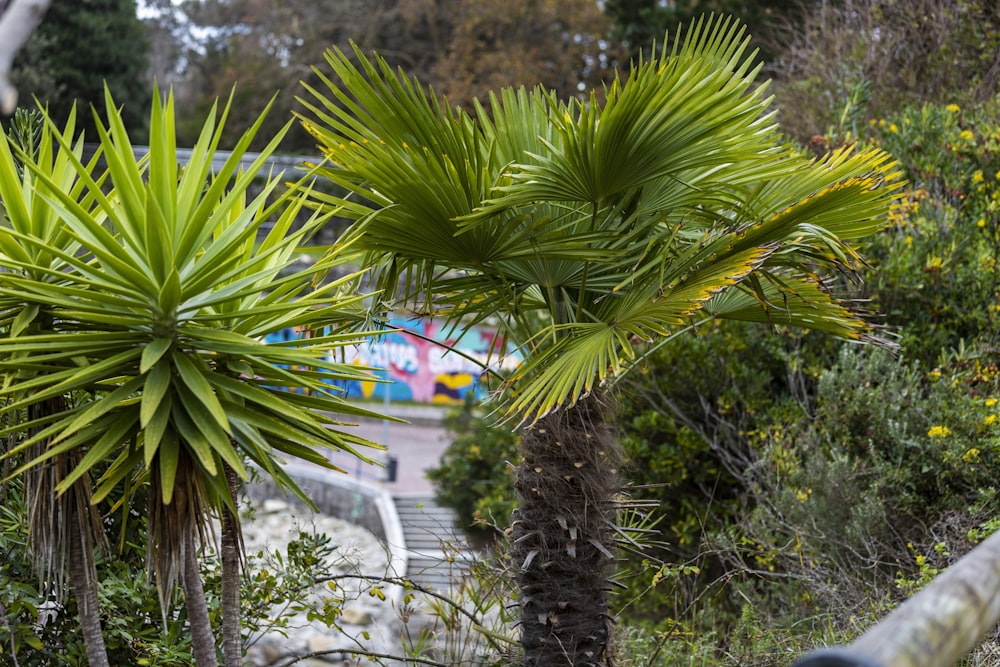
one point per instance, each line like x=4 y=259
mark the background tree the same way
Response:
x=77 y=48
x=18 y=19
x=638 y=23
x=588 y=231
x=561 y=46
x=461 y=48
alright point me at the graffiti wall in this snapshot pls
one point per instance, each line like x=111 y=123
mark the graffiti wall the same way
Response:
x=422 y=368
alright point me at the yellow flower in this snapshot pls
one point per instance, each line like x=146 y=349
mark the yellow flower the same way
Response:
x=954 y=108
x=990 y=420
x=921 y=559
x=990 y=402
x=971 y=456
x=977 y=176
x=934 y=375
x=966 y=135
x=997 y=175
x=981 y=222
x=938 y=432
x=893 y=128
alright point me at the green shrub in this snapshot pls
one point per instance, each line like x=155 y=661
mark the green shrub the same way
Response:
x=688 y=420
x=135 y=631
x=474 y=475
x=935 y=267
x=852 y=502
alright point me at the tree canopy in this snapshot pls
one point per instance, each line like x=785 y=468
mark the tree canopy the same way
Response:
x=460 y=47
x=77 y=48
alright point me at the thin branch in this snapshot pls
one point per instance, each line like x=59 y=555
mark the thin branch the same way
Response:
x=409 y=585
x=366 y=654
x=5 y=622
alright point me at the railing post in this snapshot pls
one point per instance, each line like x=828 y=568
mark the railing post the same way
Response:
x=935 y=628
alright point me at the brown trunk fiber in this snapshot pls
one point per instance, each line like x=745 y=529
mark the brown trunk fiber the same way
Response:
x=562 y=537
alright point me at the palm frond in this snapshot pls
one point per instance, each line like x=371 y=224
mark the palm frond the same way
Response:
x=586 y=229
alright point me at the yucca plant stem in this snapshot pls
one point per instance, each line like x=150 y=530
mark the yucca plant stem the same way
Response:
x=63 y=531
x=202 y=640
x=83 y=576
x=232 y=646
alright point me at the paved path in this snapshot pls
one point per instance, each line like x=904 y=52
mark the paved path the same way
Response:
x=437 y=552
x=417 y=446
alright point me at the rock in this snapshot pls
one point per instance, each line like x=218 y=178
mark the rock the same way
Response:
x=274 y=525
x=356 y=616
x=273 y=506
x=318 y=643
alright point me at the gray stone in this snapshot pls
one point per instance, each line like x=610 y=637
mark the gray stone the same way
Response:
x=357 y=616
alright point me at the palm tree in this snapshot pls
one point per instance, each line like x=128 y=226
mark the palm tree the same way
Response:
x=591 y=231
x=170 y=278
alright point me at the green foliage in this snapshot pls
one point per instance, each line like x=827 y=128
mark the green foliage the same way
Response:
x=862 y=473
x=936 y=267
x=638 y=23
x=37 y=627
x=25 y=131
x=905 y=53
x=693 y=416
x=77 y=49
x=929 y=443
x=19 y=598
x=474 y=476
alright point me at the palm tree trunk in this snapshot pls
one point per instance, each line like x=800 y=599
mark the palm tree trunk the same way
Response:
x=202 y=640
x=562 y=536
x=83 y=577
x=232 y=644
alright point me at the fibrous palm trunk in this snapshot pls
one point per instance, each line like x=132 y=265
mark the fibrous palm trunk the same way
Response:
x=562 y=536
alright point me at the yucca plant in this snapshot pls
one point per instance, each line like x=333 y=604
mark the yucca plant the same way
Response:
x=141 y=308
x=64 y=529
x=592 y=232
